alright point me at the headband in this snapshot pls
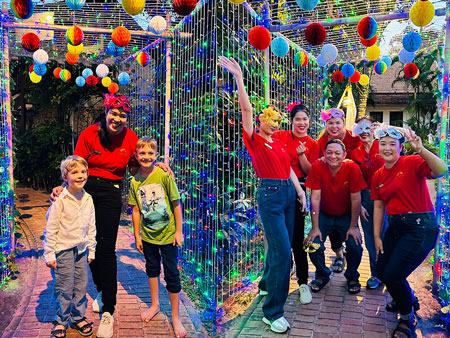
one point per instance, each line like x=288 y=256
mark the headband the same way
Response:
x=112 y=101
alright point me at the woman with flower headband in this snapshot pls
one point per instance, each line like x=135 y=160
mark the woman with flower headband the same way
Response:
x=399 y=187
x=276 y=196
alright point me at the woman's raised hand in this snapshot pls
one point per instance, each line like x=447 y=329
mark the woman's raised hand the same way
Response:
x=414 y=141
x=231 y=65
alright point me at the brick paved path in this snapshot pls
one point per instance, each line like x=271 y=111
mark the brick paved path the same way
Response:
x=35 y=312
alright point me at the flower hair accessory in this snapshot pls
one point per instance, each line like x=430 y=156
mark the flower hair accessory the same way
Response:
x=112 y=101
x=330 y=113
x=292 y=105
x=271 y=116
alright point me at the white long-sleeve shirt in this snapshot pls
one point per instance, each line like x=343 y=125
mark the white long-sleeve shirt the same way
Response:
x=70 y=225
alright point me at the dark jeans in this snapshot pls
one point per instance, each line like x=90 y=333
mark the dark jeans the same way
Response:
x=341 y=224
x=407 y=242
x=336 y=241
x=300 y=256
x=169 y=253
x=107 y=196
x=276 y=206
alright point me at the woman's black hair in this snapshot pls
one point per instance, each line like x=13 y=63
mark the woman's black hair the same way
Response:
x=102 y=131
x=366 y=117
x=298 y=108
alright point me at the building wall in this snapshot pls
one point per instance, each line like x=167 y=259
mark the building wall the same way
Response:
x=387 y=112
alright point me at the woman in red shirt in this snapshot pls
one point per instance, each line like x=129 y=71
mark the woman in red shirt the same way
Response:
x=276 y=199
x=400 y=188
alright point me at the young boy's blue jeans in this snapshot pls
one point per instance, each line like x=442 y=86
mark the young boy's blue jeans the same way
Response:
x=276 y=205
x=70 y=282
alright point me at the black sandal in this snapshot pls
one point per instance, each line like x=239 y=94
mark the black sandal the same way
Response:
x=338 y=265
x=409 y=330
x=318 y=284
x=58 y=333
x=393 y=307
x=82 y=329
x=353 y=287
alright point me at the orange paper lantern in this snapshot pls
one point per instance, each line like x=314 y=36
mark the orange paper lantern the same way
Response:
x=72 y=59
x=113 y=88
x=121 y=36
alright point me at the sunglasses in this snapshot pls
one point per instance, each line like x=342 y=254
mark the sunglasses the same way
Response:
x=389 y=131
x=363 y=127
x=330 y=113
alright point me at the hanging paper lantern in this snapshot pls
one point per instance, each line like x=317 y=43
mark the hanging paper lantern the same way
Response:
x=373 y=53
x=75 y=50
x=22 y=9
x=355 y=77
x=301 y=58
x=106 y=81
x=405 y=57
x=74 y=36
x=410 y=70
x=72 y=59
x=102 y=70
x=259 y=37
x=321 y=61
x=91 y=81
x=421 y=13
x=367 y=28
x=35 y=78
x=40 y=56
x=417 y=75
x=56 y=72
x=380 y=67
x=133 y=7
x=65 y=75
x=31 y=42
x=307 y=5
x=39 y=69
x=329 y=52
x=121 y=36
x=412 y=42
x=123 y=78
x=99 y=80
x=87 y=72
x=387 y=60
x=114 y=50
x=279 y=47
x=80 y=81
x=338 y=76
x=113 y=88
x=184 y=7
x=315 y=34
x=369 y=42
x=364 y=80
x=236 y=2
x=143 y=59
x=75 y=5
x=157 y=25
x=31 y=68
x=348 y=70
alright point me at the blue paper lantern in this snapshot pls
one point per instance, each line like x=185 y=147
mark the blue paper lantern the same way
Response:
x=329 y=52
x=307 y=5
x=115 y=50
x=75 y=5
x=406 y=57
x=321 y=61
x=123 y=78
x=39 y=69
x=387 y=60
x=412 y=42
x=348 y=70
x=87 y=72
x=80 y=81
x=279 y=47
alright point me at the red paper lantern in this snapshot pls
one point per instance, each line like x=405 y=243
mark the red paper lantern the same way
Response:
x=355 y=77
x=121 y=36
x=369 y=42
x=184 y=7
x=259 y=37
x=367 y=28
x=31 y=68
x=315 y=34
x=56 y=72
x=113 y=88
x=31 y=42
x=91 y=81
x=410 y=70
x=338 y=76
x=72 y=59
x=99 y=80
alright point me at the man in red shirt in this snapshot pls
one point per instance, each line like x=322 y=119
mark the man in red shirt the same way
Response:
x=335 y=203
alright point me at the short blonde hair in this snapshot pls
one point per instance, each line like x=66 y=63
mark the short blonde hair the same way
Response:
x=70 y=162
x=147 y=141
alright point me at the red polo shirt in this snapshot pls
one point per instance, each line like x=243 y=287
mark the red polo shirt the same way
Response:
x=403 y=187
x=111 y=162
x=349 y=141
x=291 y=143
x=270 y=159
x=368 y=162
x=335 y=190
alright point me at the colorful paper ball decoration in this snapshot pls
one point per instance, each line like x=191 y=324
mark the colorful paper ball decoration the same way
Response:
x=380 y=67
x=405 y=57
x=143 y=59
x=157 y=25
x=410 y=70
x=367 y=28
x=329 y=52
x=338 y=76
x=259 y=37
x=56 y=72
x=184 y=7
x=106 y=81
x=321 y=61
x=279 y=47
x=31 y=68
x=315 y=34
x=35 y=78
x=75 y=50
x=121 y=36
x=348 y=70
x=75 y=5
x=133 y=7
x=417 y=75
x=39 y=69
x=115 y=50
x=65 y=75
x=72 y=59
x=74 y=36
x=31 y=42
x=307 y=5
x=364 y=80
x=373 y=53
x=412 y=42
x=99 y=80
x=87 y=72
x=80 y=81
x=355 y=77
x=421 y=13
x=91 y=81
x=123 y=78
x=102 y=70
x=301 y=59
x=113 y=88
x=40 y=56
x=236 y=2
x=387 y=60
x=369 y=42
x=22 y=9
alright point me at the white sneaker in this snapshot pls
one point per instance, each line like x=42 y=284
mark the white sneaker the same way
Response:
x=106 y=327
x=280 y=325
x=97 y=304
x=263 y=292
x=305 y=294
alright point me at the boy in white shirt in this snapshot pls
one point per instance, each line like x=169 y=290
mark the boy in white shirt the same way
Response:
x=69 y=245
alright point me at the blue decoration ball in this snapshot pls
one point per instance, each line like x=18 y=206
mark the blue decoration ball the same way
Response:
x=387 y=60
x=80 y=81
x=321 y=61
x=123 y=78
x=87 y=72
x=279 y=47
x=348 y=70
x=329 y=52
x=39 y=69
x=412 y=42
x=115 y=50
x=75 y=5
x=307 y=5
x=406 y=57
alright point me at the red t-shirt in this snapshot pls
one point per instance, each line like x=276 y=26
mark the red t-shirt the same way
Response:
x=270 y=159
x=111 y=162
x=349 y=141
x=368 y=162
x=291 y=143
x=335 y=190
x=403 y=188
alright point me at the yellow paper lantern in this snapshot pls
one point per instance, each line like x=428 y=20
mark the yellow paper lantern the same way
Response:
x=133 y=7
x=237 y=2
x=35 y=78
x=421 y=13
x=75 y=50
x=373 y=53
x=364 y=80
x=106 y=81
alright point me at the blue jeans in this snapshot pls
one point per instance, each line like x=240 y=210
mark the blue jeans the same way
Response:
x=407 y=242
x=69 y=288
x=367 y=227
x=276 y=205
x=341 y=224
